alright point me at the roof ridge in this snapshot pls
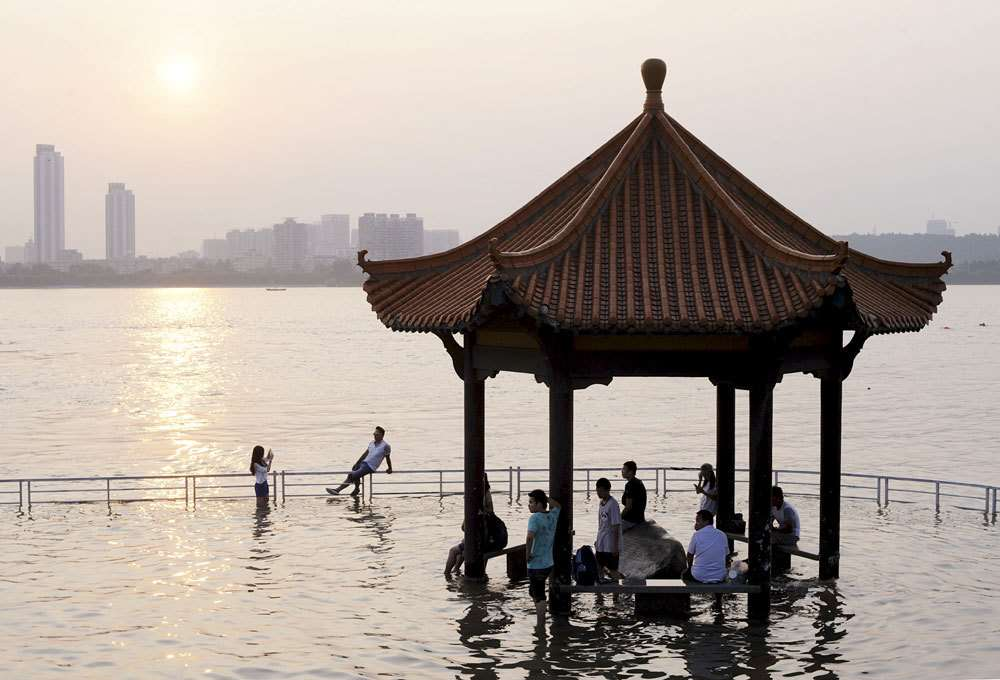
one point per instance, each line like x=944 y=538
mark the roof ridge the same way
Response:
x=607 y=182
x=774 y=249
x=807 y=230
x=478 y=245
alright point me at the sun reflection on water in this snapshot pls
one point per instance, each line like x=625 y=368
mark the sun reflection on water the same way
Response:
x=177 y=383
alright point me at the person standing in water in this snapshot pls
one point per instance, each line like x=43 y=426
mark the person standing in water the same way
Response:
x=370 y=460
x=260 y=465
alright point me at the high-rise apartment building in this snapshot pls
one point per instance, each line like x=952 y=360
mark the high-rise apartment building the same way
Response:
x=440 y=240
x=331 y=237
x=119 y=222
x=253 y=243
x=291 y=245
x=50 y=227
x=391 y=237
x=215 y=249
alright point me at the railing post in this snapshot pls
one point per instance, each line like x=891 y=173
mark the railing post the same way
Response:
x=986 y=507
x=588 y=482
x=20 y=494
x=29 y=495
x=108 y=480
x=186 y=480
x=878 y=491
x=510 y=483
x=194 y=492
x=994 y=504
x=887 y=491
x=937 y=496
x=519 y=483
x=440 y=483
x=282 y=487
x=664 y=482
x=274 y=484
x=776 y=478
x=656 y=481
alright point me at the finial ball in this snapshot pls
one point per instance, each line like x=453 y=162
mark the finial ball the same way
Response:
x=654 y=72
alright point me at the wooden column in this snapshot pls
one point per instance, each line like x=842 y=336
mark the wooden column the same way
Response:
x=475 y=463
x=561 y=481
x=831 y=393
x=759 y=526
x=725 y=452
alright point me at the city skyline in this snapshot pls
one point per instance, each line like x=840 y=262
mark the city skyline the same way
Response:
x=401 y=108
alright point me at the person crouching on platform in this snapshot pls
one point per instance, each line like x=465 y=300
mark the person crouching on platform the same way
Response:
x=456 y=554
x=784 y=520
x=607 y=547
x=707 y=552
x=634 y=498
x=538 y=545
x=368 y=463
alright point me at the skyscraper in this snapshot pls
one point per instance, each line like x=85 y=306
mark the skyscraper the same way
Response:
x=440 y=240
x=119 y=222
x=291 y=245
x=50 y=228
x=331 y=237
x=391 y=237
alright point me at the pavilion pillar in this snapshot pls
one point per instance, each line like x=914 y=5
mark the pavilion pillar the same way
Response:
x=759 y=529
x=725 y=453
x=831 y=399
x=561 y=482
x=475 y=463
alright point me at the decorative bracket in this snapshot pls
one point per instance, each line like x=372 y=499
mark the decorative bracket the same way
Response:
x=455 y=351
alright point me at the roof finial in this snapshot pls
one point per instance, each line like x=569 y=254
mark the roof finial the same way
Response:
x=495 y=252
x=654 y=72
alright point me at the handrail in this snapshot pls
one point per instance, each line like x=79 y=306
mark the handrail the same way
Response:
x=507 y=480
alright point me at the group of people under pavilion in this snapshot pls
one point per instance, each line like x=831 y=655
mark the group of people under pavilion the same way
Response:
x=654 y=257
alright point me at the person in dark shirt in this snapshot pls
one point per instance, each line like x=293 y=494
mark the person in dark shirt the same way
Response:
x=634 y=498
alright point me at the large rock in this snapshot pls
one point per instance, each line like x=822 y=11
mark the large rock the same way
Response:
x=648 y=551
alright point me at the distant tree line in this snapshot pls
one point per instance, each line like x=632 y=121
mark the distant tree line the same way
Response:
x=976 y=257
x=196 y=274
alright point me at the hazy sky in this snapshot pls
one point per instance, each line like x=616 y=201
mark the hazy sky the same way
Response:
x=225 y=115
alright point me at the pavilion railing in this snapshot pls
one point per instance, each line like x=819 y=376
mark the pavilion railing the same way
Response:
x=513 y=482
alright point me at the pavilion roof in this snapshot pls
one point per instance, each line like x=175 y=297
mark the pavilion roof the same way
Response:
x=653 y=233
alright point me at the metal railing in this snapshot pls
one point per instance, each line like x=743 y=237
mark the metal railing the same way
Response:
x=510 y=481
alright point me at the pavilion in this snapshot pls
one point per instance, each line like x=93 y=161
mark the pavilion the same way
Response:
x=655 y=257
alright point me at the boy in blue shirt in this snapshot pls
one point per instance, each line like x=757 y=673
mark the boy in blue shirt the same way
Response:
x=538 y=545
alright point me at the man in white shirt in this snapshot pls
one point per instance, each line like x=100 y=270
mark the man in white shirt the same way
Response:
x=784 y=520
x=608 y=545
x=368 y=463
x=707 y=551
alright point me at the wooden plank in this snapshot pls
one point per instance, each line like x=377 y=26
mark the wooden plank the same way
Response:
x=777 y=546
x=661 y=586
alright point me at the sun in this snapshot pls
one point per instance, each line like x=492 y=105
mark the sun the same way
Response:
x=179 y=74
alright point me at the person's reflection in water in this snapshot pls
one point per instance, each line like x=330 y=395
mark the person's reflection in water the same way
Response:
x=379 y=525
x=260 y=554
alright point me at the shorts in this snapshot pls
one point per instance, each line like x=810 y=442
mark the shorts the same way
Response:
x=607 y=560
x=360 y=471
x=536 y=583
x=261 y=490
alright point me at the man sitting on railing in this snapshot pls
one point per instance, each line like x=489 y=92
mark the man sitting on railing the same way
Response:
x=784 y=520
x=368 y=463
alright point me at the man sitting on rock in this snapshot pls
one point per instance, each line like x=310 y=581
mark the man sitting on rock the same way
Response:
x=784 y=520
x=707 y=551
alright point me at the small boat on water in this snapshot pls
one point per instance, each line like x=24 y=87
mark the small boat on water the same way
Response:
x=275 y=289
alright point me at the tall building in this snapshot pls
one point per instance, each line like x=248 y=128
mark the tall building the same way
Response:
x=391 y=237
x=50 y=226
x=291 y=245
x=215 y=249
x=331 y=237
x=940 y=228
x=119 y=222
x=14 y=255
x=440 y=240
x=252 y=243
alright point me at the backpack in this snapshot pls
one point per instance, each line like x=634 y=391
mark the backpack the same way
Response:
x=496 y=533
x=585 y=566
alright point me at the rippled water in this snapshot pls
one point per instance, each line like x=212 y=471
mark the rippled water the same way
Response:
x=158 y=381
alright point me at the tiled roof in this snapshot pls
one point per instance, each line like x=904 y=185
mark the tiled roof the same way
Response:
x=653 y=233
